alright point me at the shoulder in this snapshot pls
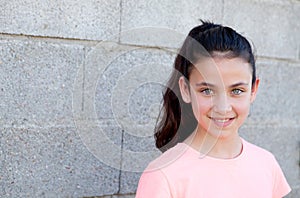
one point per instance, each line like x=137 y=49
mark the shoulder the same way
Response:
x=169 y=158
x=266 y=161
x=154 y=181
x=258 y=152
x=153 y=185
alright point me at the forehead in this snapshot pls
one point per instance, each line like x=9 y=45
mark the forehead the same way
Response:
x=221 y=70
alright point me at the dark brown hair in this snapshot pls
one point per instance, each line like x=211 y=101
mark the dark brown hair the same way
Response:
x=177 y=120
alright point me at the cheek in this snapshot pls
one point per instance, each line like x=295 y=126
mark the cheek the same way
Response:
x=242 y=107
x=201 y=105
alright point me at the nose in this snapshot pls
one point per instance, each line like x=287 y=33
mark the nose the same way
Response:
x=221 y=104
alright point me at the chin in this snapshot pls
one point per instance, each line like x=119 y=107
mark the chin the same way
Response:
x=219 y=133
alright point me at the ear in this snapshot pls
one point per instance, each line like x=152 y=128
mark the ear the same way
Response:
x=254 y=90
x=184 y=90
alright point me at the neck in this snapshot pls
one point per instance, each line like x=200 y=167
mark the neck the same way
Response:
x=218 y=147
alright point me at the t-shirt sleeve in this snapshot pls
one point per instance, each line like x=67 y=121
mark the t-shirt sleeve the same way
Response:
x=153 y=185
x=281 y=187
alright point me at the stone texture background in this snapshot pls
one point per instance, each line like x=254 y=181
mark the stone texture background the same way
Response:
x=80 y=88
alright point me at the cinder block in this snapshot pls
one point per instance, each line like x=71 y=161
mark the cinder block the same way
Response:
x=103 y=139
x=164 y=23
x=137 y=153
x=39 y=162
x=283 y=142
x=272 y=26
x=295 y=193
x=129 y=93
x=129 y=182
x=277 y=100
x=37 y=80
x=124 y=196
x=289 y=96
x=95 y=20
x=131 y=83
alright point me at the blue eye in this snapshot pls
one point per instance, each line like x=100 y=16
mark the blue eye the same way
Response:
x=237 y=91
x=207 y=92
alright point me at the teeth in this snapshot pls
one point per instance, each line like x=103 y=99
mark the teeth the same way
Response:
x=222 y=120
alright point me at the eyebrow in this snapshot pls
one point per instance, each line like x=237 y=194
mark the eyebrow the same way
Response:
x=231 y=86
x=205 y=84
x=239 y=84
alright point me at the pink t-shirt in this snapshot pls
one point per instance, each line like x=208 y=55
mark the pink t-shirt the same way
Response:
x=181 y=172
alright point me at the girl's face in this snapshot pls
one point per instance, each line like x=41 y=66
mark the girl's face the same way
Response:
x=220 y=92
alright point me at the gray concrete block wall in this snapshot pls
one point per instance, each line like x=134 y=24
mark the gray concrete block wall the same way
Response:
x=271 y=25
x=76 y=120
x=91 y=20
x=37 y=78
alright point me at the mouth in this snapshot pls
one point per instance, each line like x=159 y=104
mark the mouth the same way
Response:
x=222 y=122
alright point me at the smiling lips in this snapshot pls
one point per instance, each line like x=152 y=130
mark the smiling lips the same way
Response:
x=222 y=122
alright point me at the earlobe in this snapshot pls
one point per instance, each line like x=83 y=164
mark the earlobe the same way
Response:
x=184 y=90
x=254 y=90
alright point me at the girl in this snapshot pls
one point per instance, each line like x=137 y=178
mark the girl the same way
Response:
x=206 y=101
